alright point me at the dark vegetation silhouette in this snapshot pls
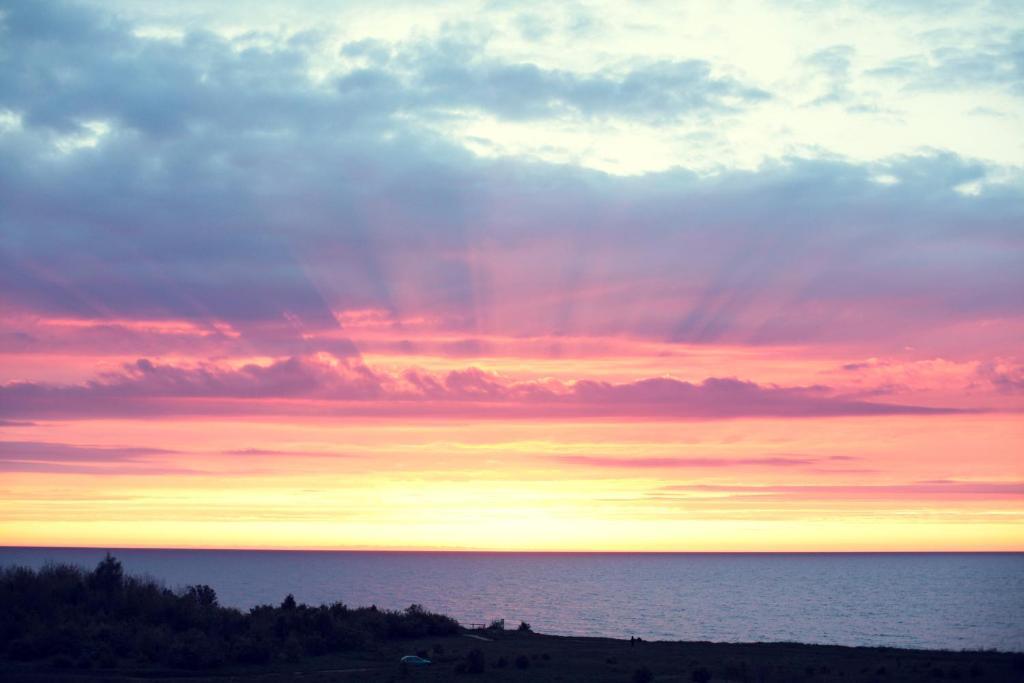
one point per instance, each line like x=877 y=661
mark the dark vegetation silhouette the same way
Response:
x=102 y=618
x=474 y=663
x=643 y=675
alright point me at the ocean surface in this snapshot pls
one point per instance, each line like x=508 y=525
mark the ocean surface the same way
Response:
x=917 y=600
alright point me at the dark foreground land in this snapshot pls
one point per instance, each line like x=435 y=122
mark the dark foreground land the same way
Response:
x=64 y=624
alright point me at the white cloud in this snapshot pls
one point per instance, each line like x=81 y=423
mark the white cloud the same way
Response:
x=838 y=77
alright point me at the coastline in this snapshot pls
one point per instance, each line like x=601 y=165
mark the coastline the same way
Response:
x=62 y=622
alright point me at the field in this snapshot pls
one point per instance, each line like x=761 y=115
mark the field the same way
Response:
x=524 y=656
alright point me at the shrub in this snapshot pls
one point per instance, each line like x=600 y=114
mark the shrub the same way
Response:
x=151 y=644
x=643 y=675
x=502 y=662
x=202 y=594
x=104 y=658
x=193 y=650
x=523 y=626
x=701 y=675
x=62 y=662
x=292 y=651
x=96 y=618
x=250 y=650
x=522 y=662
x=475 y=663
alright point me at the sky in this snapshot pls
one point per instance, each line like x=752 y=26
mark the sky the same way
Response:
x=660 y=276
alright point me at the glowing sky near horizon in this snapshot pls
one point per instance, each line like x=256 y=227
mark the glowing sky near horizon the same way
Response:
x=512 y=276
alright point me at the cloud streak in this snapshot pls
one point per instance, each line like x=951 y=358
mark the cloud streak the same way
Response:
x=684 y=462
x=941 y=489
x=38 y=456
x=303 y=385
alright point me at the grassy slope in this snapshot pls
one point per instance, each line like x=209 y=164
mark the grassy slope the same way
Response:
x=591 y=660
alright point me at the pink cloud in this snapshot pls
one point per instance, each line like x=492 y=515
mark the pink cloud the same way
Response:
x=38 y=456
x=696 y=463
x=317 y=385
x=925 y=489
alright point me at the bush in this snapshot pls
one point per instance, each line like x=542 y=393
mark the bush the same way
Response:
x=250 y=650
x=193 y=650
x=203 y=595
x=701 y=675
x=643 y=675
x=293 y=651
x=104 y=658
x=24 y=649
x=96 y=618
x=522 y=662
x=475 y=663
x=62 y=662
x=523 y=626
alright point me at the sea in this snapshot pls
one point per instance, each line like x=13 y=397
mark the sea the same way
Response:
x=916 y=600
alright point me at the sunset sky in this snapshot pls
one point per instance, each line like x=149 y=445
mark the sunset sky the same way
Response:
x=739 y=276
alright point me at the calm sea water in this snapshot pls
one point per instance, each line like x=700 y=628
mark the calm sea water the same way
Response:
x=933 y=600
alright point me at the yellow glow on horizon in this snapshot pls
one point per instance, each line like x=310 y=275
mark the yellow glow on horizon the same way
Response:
x=526 y=535
x=529 y=485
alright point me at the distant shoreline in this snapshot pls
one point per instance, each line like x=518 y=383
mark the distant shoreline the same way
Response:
x=62 y=622
x=470 y=551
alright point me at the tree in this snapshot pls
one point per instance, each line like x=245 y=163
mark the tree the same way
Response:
x=108 y=575
x=203 y=595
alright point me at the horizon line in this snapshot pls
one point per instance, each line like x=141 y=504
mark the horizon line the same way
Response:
x=474 y=551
